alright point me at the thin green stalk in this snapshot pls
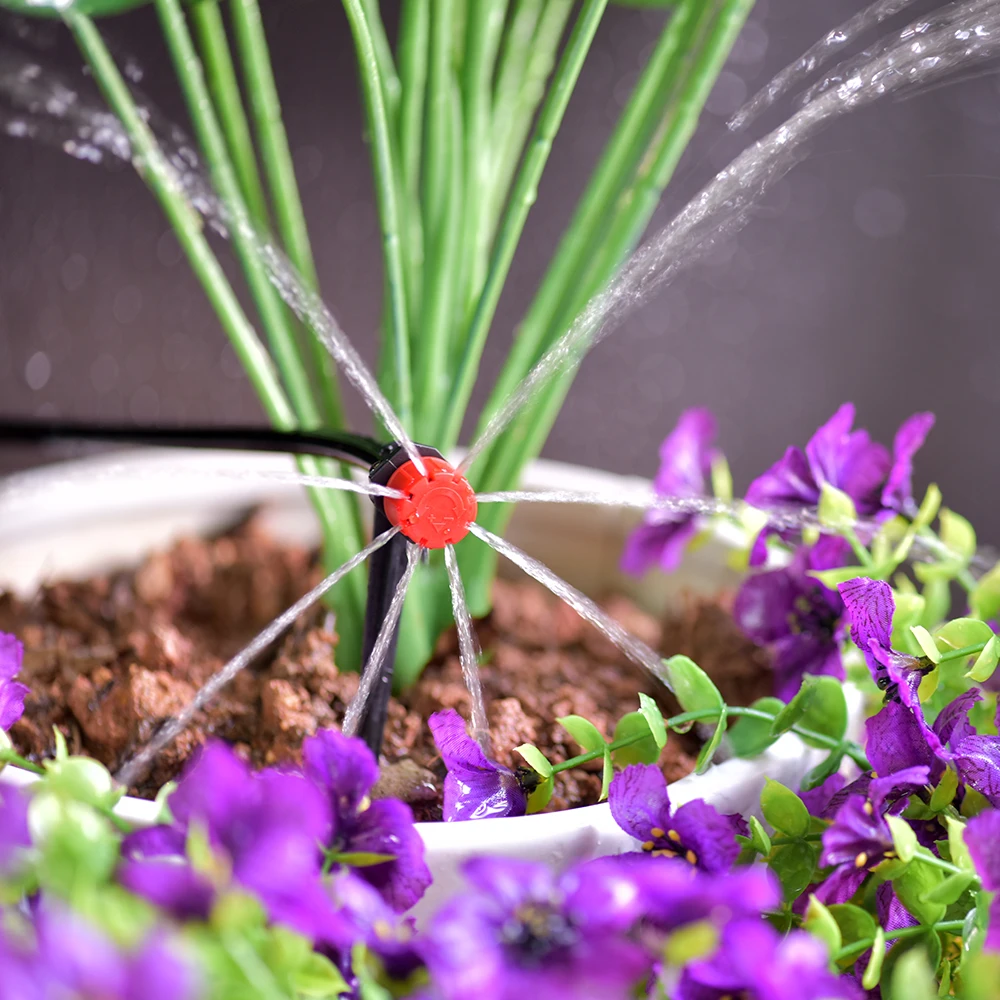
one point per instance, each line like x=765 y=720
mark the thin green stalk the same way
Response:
x=629 y=140
x=221 y=75
x=265 y=107
x=508 y=143
x=167 y=188
x=165 y=185
x=391 y=87
x=433 y=373
x=213 y=144
x=856 y=948
x=963 y=653
x=512 y=66
x=524 y=439
x=522 y=198
x=436 y=176
x=387 y=188
x=9 y=756
x=483 y=33
x=414 y=39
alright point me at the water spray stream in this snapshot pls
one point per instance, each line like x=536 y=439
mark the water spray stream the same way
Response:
x=635 y=649
x=135 y=768
x=468 y=650
x=723 y=206
x=373 y=668
x=816 y=56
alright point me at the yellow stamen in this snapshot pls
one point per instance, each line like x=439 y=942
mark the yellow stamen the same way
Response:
x=657 y=833
x=691 y=857
x=674 y=836
x=861 y=860
x=648 y=845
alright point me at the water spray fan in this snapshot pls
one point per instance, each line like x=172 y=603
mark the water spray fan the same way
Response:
x=431 y=508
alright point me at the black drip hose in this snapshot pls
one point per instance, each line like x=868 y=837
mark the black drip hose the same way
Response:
x=340 y=445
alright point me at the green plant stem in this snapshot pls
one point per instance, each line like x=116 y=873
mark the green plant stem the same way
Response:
x=213 y=144
x=702 y=64
x=436 y=176
x=387 y=190
x=391 y=87
x=483 y=32
x=900 y=934
x=165 y=185
x=521 y=199
x=221 y=75
x=784 y=841
x=290 y=219
x=851 y=749
x=9 y=756
x=510 y=129
x=963 y=653
x=162 y=180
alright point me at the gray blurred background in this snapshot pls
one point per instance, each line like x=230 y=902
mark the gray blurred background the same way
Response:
x=869 y=274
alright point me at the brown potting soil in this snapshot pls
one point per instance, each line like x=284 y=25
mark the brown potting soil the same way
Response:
x=109 y=658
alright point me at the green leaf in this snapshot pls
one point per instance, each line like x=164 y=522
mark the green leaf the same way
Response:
x=692 y=687
x=830 y=578
x=951 y=889
x=818 y=706
x=985 y=597
x=956 y=532
x=759 y=837
x=722 y=478
x=691 y=942
x=783 y=809
x=873 y=970
x=926 y=643
x=535 y=759
x=82 y=779
x=910 y=971
x=708 y=750
x=360 y=859
x=962 y=632
x=823 y=770
x=903 y=838
x=541 y=796
x=795 y=866
x=836 y=509
x=820 y=922
x=608 y=774
x=986 y=663
x=914 y=885
x=644 y=751
x=929 y=507
x=855 y=923
x=654 y=717
x=749 y=736
x=584 y=732
x=944 y=794
x=956 y=842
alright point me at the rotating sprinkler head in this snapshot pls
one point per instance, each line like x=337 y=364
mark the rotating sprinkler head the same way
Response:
x=437 y=506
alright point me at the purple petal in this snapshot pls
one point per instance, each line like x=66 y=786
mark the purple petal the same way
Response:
x=158 y=972
x=78 y=957
x=11 y=656
x=603 y=896
x=869 y=605
x=890 y=787
x=842 y=884
x=154 y=842
x=789 y=482
x=291 y=802
x=898 y=492
x=896 y=741
x=686 y=455
x=14 y=833
x=952 y=724
x=982 y=835
x=475 y=787
x=508 y=882
x=12 y=695
x=173 y=886
x=213 y=788
x=341 y=765
x=977 y=760
x=639 y=801
x=763 y=605
x=892 y=915
x=386 y=827
x=709 y=834
x=658 y=542
x=805 y=653
x=818 y=800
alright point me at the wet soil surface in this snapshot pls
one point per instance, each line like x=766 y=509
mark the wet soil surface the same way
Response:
x=109 y=658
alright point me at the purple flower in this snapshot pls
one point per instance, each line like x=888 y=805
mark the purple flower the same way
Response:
x=12 y=693
x=796 y=615
x=265 y=828
x=848 y=460
x=522 y=931
x=694 y=832
x=754 y=960
x=899 y=736
x=686 y=457
x=346 y=770
x=14 y=835
x=860 y=838
x=476 y=787
x=982 y=835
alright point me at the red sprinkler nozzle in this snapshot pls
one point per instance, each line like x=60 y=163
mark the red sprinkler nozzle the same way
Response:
x=437 y=508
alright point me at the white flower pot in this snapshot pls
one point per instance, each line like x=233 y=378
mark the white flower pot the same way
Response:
x=86 y=516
